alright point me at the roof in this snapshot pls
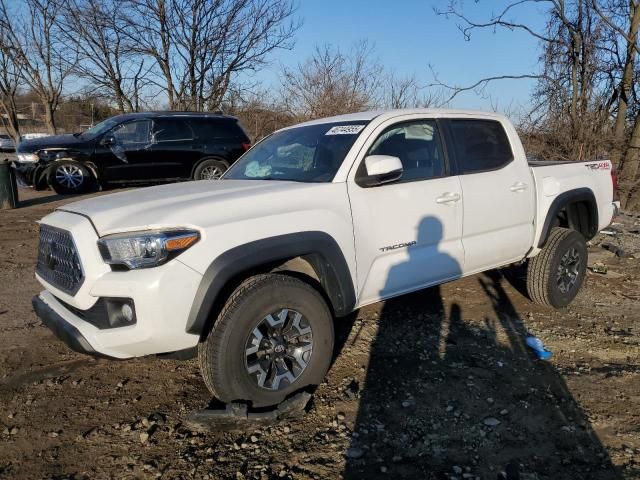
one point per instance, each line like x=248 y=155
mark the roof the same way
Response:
x=160 y=114
x=370 y=115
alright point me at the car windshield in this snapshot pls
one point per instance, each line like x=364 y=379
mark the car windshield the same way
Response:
x=101 y=127
x=311 y=153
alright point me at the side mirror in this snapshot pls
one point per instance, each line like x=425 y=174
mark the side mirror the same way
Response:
x=381 y=169
x=108 y=141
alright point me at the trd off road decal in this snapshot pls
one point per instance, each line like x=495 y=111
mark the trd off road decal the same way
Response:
x=598 y=166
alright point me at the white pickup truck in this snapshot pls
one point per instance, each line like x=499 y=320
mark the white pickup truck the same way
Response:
x=312 y=223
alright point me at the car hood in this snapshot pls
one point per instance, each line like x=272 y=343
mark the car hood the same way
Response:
x=55 y=141
x=198 y=204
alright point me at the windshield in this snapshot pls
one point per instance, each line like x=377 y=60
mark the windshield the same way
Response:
x=304 y=154
x=102 y=127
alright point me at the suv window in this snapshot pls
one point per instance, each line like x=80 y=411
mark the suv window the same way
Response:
x=217 y=128
x=131 y=133
x=417 y=145
x=480 y=145
x=171 y=130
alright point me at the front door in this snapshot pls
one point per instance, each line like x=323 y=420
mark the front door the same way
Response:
x=408 y=233
x=127 y=155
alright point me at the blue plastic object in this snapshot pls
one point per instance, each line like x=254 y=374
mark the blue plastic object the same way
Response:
x=535 y=344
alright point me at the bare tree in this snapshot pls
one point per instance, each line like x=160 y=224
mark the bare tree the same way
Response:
x=570 y=79
x=199 y=46
x=585 y=103
x=332 y=83
x=406 y=92
x=32 y=40
x=622 y=18
x=9 y=81
x=96 y=29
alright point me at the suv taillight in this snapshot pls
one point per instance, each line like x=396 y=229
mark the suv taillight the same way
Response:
x=614 y=181
x=246 y=146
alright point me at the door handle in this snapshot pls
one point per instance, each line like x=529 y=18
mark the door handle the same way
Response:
x=518 y=187
x=448 y=197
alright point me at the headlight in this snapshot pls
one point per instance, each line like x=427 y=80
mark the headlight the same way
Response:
x=145 y=249
x=28 y=157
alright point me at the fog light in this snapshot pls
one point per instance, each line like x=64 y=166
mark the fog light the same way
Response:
x=127 y=312
x=121 y=312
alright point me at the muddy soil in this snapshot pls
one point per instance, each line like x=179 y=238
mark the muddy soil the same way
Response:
x=435 y=385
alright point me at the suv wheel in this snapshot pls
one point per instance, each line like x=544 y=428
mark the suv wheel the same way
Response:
x=209 y=170
x=273 y=337
x=555 y=275
x=68 y=177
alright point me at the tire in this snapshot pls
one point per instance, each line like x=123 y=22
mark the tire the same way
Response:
x=225 y=354
x=555 y=275
x=67 y=177
x=209 y=170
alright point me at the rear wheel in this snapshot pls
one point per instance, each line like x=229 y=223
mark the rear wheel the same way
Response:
x=555 y=275
x=69 y=177
x=209 y=170
x=273 y=337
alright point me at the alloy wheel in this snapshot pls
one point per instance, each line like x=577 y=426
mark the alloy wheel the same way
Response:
x=278 y=349
x=568 y=270
x=211 y=172
x=69 y=176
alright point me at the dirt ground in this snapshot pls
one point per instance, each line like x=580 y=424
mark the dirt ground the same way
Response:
x=435 y=385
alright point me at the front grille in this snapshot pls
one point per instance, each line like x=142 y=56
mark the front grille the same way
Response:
x=58 y=260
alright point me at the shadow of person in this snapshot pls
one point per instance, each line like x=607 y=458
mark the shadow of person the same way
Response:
x=456 y=394
x=403 y=360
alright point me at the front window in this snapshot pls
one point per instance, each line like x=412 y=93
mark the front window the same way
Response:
x=312 y=153
x=102 y=127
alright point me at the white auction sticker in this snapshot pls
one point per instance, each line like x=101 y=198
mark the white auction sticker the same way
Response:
x=345 y=130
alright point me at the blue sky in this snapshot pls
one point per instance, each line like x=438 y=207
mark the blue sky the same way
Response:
x=408 y=36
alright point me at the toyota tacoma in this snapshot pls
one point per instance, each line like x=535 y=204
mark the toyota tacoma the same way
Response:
x=312 y=223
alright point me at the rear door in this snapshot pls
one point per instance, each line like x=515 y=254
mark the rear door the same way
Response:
x=408 y=233
x=173 y=147
x=498 y=193
x=219 y=137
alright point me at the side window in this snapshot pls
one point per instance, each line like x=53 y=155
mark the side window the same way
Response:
x=417 y=144
x=171 y=130
x=209 y=128
x=132 y=133
x=480 y=145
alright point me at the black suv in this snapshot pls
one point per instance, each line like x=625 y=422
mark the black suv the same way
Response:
x=134 y=147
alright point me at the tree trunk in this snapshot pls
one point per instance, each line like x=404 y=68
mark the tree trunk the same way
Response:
x=625 y=86
x=11 y=124
x=630 y=164
x=49 y=119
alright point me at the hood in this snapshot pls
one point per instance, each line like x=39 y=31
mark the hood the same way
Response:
x=196 y=204
x=55 y=141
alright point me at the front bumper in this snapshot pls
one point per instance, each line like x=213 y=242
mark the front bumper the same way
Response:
x=162 y=297
x=62 y=329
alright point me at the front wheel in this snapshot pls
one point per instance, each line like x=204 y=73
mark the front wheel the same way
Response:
x=209 y=170
x=69 y=177
x=555 y=275
x=273 y=337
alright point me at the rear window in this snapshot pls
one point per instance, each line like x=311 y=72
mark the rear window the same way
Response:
x=217 y=128
x=171 y=130
x=480 y=145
